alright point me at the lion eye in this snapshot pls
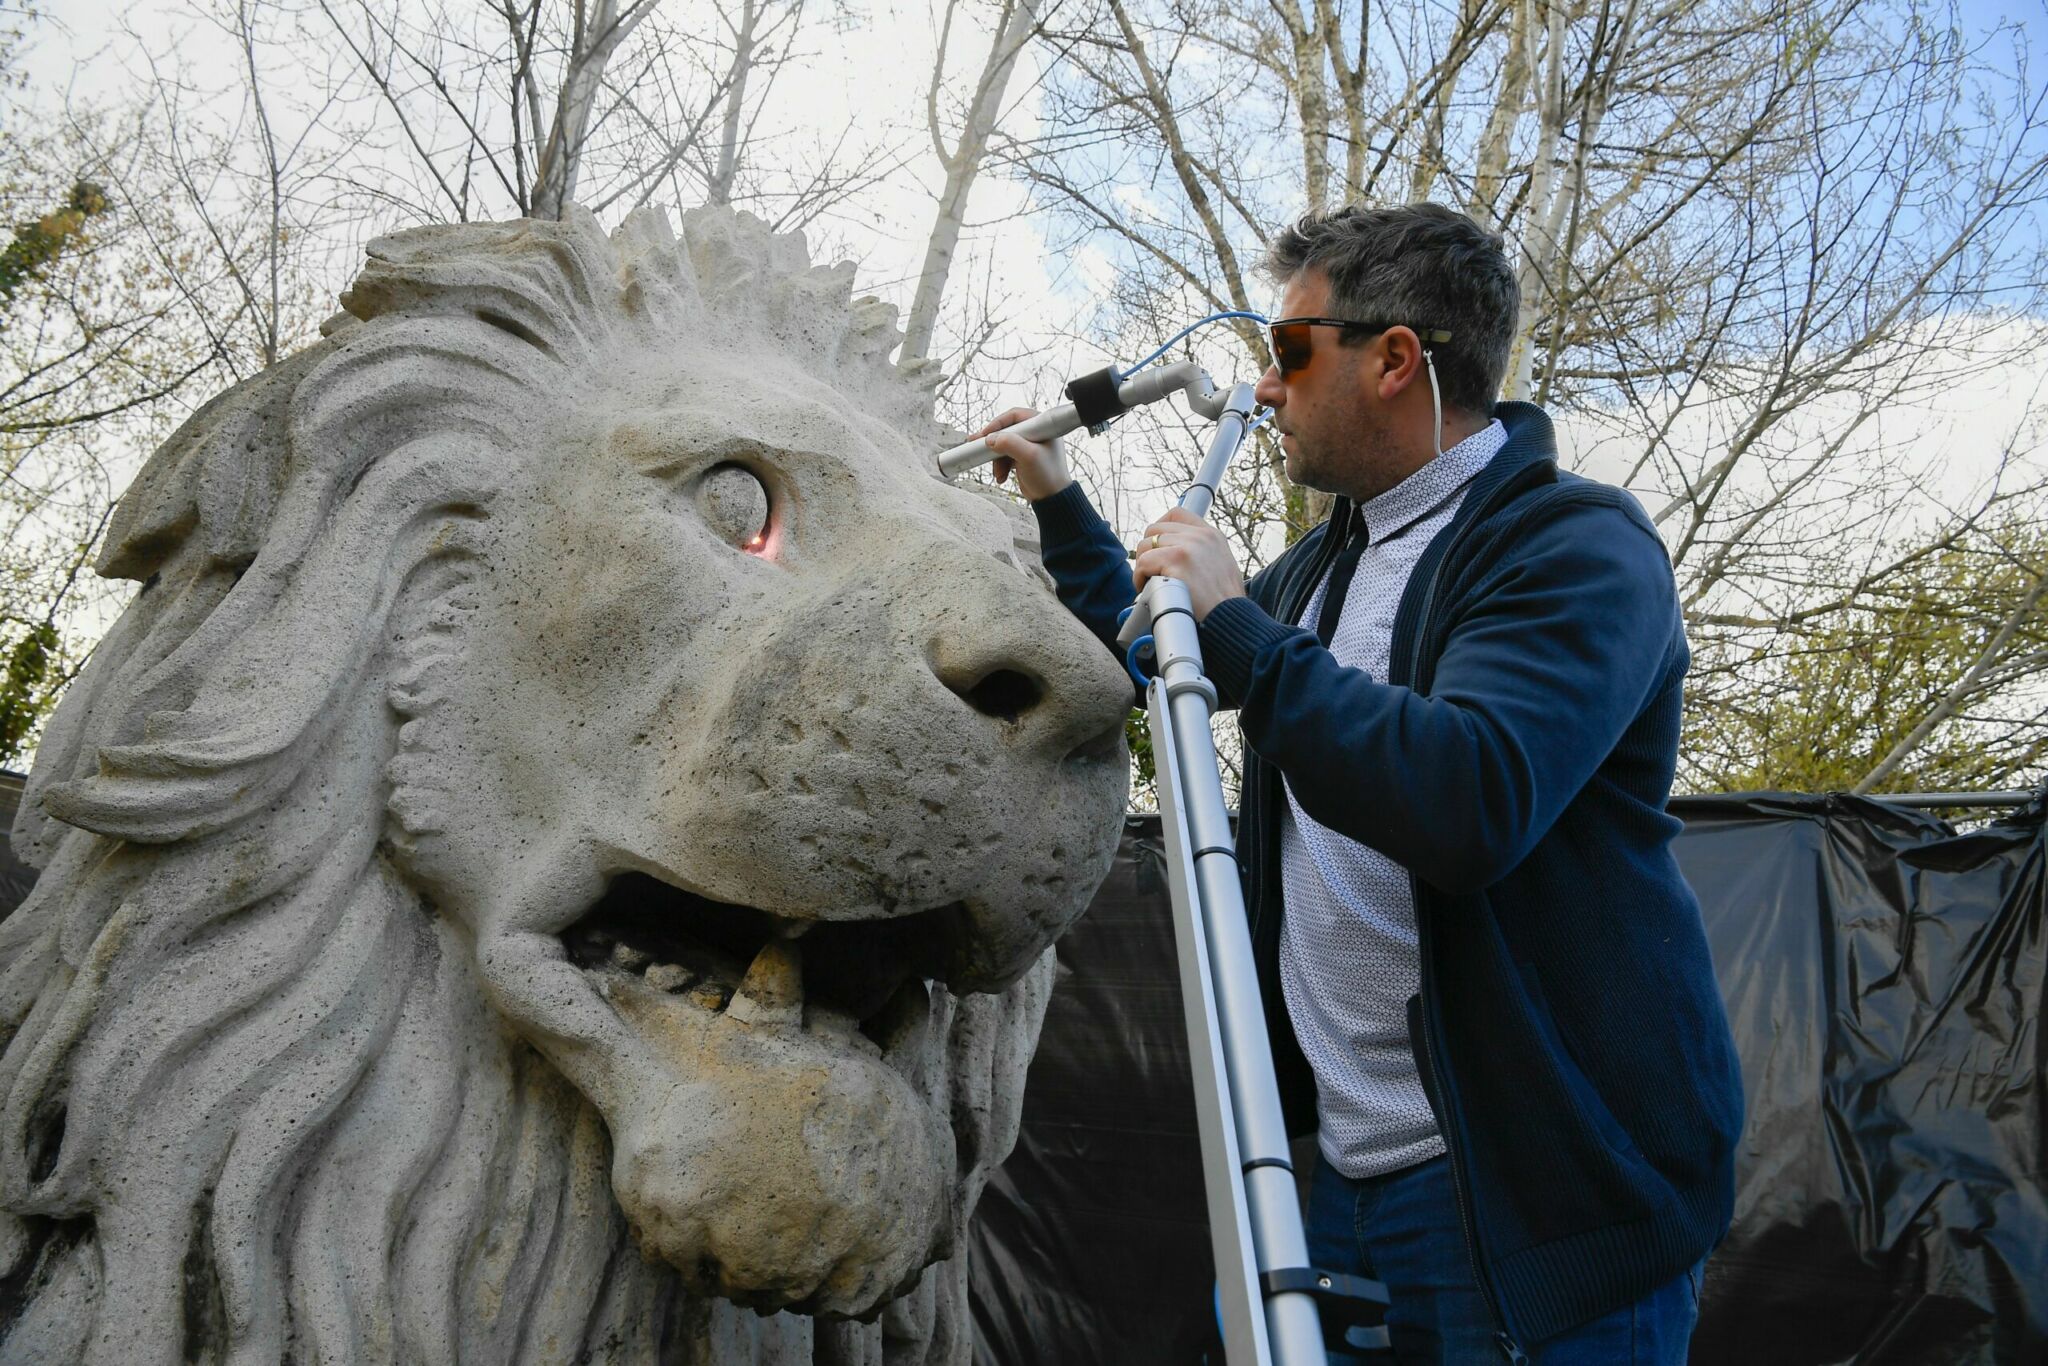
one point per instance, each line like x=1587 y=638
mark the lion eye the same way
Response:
x=735 y=506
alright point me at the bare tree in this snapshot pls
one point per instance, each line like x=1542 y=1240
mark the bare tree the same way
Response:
x=267 y=141
x=1016 y=23
x=1750 y=236
x=524 y=106
x=498 y=108
x=1757 y=242
x=181 y=279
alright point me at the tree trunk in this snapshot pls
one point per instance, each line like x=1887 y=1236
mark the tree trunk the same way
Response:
x=1429 y=157
x=1536 y=251
x=1496 y=143
x=598 y=35
x=963 y=164
x=719 y=188
x=1546 y=249
x=1314 y=98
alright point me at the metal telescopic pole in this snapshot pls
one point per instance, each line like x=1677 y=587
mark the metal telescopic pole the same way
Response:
x=1254 y=1217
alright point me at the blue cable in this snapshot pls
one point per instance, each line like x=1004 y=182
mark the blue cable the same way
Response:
x=1265 y=415
x=1123 y=375
x=1141 y=648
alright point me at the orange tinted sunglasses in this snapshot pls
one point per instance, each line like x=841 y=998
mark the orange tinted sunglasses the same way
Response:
x=1292 y=343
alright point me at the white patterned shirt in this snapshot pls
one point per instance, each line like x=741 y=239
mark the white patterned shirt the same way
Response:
x=1348 y=959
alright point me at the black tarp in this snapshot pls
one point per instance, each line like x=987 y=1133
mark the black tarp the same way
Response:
x=1884 y=978
x=16 y=877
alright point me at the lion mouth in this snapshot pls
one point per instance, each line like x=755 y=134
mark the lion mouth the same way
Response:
x=863 y=984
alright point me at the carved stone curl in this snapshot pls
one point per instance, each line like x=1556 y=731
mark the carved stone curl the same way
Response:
x=562 y=846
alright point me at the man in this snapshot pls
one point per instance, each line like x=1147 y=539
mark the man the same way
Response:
x=1487 y=984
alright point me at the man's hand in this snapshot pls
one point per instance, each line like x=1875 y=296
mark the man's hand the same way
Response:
x=1040 y=466
x=1182 y=546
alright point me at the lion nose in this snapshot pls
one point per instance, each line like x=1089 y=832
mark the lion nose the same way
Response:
x=1030 y=667
x=1066 y=710
x=1003 y=693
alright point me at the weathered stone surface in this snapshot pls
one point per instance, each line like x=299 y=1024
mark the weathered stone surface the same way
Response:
x=563 y=845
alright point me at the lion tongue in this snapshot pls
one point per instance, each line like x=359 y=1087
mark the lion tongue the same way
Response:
x=771 y=995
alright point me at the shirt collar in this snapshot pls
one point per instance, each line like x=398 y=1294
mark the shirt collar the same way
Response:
x=1429 y=488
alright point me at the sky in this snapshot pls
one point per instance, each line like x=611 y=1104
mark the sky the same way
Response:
x=870 y=74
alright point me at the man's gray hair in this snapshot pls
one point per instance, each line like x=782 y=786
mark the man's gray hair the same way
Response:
x=1425 y=266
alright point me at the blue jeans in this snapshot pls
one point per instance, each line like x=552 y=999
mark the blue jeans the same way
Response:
x=1403 y=1229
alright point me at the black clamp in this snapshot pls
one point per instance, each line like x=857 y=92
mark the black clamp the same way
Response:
x=1095 y=399
x=1353 y=1309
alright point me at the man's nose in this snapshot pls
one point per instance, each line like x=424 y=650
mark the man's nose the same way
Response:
x=1270 y=390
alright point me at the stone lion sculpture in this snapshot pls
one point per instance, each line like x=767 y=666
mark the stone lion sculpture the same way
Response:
x=557 y=861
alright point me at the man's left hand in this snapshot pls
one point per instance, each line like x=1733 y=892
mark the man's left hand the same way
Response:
x=1182 y=546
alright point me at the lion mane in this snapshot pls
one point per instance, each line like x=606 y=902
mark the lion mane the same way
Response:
x=253 y=1104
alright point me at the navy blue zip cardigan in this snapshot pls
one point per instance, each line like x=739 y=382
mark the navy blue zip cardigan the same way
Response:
x=1516 y=761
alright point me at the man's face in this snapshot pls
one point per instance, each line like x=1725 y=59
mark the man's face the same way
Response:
x=1336 y=422
x=1330 y=425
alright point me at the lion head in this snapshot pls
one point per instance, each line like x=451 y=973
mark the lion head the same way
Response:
x=563 y=842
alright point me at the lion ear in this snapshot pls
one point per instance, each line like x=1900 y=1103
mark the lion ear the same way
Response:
x=233 y=716
x=213 y=487
x=186 y=528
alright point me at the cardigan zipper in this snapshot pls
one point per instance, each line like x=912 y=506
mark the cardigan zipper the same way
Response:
x=1426 y=1056
x=1511 y=1350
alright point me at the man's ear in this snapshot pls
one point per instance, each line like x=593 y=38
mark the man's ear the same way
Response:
x=1400 y=361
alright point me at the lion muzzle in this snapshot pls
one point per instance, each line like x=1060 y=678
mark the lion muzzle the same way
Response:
x=783 y=1174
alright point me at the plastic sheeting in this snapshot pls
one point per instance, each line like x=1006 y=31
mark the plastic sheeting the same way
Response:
x=1091 y=1244
x=16 y=877
x=1884 y=978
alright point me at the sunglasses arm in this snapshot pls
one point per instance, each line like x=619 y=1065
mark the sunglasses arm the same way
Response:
x=1147 y=386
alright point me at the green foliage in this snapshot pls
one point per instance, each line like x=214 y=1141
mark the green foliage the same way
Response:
x=1821 y=712
x=26 y=693
x=1138 y=735
x=36 y=245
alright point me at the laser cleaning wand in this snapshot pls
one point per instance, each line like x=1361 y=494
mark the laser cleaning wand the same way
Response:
x=1271 y=1303
x=1098 y=399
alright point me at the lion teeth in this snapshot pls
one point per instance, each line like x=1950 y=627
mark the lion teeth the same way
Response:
x=903 y=1028
x=669 y=977
x=772 y=992
x=837 y=1024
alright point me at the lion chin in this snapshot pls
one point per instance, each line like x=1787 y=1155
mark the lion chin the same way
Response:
x=803 y=1049
x=846 y=1225
x=559 y=859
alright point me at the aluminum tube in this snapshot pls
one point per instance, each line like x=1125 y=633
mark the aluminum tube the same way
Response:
x=1293 y=1323
x=1292 y=1320
x=1149 y=386
x=1053 y=422
x=1230 y=432
x=1240 y=1301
